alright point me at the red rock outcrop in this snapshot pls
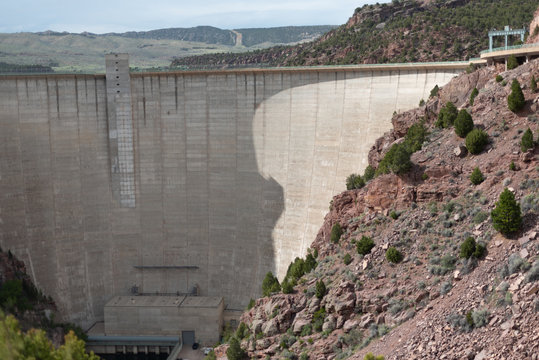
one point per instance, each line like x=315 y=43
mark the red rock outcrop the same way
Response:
x=534 y=29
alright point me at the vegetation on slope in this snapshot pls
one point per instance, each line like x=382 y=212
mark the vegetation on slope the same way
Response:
x=23 y=306
x=18 y=68
x=282 y=35
x=406 y=256
x=34 y=344
x=402 y=31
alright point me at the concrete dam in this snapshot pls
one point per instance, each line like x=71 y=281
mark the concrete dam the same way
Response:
x=181 y=182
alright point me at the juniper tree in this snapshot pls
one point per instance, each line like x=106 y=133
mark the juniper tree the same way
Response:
x=506 y=216
x=477 y=176
x=463 y=123
x=447 y=115
x=527 y=140
x=515 y=100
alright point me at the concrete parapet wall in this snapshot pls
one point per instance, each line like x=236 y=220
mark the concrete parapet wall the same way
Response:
x=233 y=173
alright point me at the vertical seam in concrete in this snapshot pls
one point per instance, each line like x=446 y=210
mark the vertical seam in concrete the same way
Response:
x=369 y=104
x=424 y=82
x=186 y=205
x=77 y=98
x=19 y=147
x=51 y=159
x=397 y=92
x=208 y=180
x=340 y=134
x=161 y=162
x=33 y=272
x=285 y=195
x=57 y=100
x=97 y=108
x=317 y=116
x=143 y=102
x=88 y=296
x=176 y=92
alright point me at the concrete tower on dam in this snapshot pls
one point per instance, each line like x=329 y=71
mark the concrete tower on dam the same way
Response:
x=169 y=182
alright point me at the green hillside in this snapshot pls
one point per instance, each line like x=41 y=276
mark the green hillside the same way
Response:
x=282 y=35
x=67 y=52
x=400 y=31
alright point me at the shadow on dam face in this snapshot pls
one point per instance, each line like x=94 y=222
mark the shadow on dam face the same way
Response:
x=234 y=172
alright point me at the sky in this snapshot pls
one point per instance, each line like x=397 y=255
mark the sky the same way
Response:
x=102 y=16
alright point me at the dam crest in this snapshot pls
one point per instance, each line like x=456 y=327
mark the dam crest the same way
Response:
x=169 y=183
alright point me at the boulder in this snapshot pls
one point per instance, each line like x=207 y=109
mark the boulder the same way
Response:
x=350 y=324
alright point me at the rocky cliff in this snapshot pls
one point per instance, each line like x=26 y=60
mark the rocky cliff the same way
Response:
x=433 y=303
x=534 y=29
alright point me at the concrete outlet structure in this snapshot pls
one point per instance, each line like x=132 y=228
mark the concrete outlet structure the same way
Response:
x=168 y=181
x=194 y=318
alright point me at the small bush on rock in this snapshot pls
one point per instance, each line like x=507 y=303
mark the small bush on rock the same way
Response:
x=320 y=289
x=515 y=100
x=434 y=91
x=251 y=304
x=506 y=216
x=499 y=78
x=447 y=115
x=476 y=140
x=318 y=319
x=415 y=137
x=270 y=284
x=368 y=174
x=469 y=248
x=463 y=123
x=474 y=93
x=393 y=255
x=364 y=245
x=480 y=318
x=347 y=259
x=526 y=142
x=477 y=176
x=309 y=264
x=370 y=356
x=336 y=233
x=512 y=166
x=533 y=84
x=287 y=286
x=234 y=351
x=354 y=181
x=396 y=160
x=533 y=273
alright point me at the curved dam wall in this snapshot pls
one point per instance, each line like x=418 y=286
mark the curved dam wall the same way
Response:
x=221 y=176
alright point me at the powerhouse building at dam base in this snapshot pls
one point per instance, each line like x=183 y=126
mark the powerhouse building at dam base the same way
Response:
x=163 y=199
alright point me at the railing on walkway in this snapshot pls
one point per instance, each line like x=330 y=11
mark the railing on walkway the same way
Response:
x=514 y=47
x=176 y=351
x=103 y=340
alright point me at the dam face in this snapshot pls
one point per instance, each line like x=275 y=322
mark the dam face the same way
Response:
x=183 y=180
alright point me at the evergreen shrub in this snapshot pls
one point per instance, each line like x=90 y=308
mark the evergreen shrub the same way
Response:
x=476 y=140
x=463 y=123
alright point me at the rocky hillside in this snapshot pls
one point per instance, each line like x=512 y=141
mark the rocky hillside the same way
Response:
x=410 y=265
x=534 y=29
x=400 y=31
